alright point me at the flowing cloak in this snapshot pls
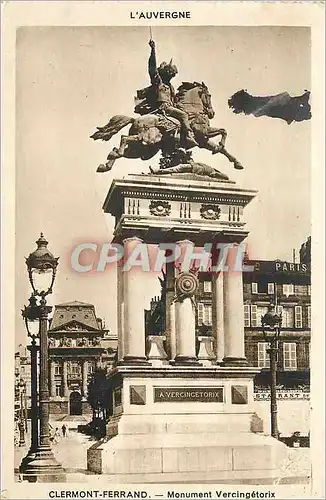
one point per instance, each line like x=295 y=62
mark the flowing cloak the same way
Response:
x=146 y=100
x=116 y=123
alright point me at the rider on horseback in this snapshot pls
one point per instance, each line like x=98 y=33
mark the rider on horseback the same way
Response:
x=165 y=94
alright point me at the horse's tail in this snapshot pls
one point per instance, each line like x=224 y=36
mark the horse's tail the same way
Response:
x=116 y=123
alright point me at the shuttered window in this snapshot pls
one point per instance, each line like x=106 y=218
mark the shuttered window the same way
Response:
x=298 y=317
x=207 y=314
x=288 y=317
x=254 y=320
x=263 y=355
x=309 y=316
x=200 y=312
x=207 y=286
x=288 y=289
x=246 y=315
x=290 y=355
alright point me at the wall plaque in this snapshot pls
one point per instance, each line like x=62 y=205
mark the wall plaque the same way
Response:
x=138 y=394
x=239 y=394
x=188 y=394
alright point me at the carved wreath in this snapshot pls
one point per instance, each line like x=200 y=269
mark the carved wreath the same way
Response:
x=210 y=211
x=186 y=285
x=160 y=208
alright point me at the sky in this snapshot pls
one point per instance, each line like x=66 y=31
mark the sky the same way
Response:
x=69 y=80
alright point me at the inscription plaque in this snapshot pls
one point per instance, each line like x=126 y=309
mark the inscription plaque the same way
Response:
x=188 y=394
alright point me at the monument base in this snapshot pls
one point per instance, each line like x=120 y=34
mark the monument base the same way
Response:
x=198 y=420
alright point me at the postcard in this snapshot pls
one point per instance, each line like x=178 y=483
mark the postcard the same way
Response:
x=163 y=250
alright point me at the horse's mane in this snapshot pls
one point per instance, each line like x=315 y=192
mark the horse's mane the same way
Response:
x=185 y=86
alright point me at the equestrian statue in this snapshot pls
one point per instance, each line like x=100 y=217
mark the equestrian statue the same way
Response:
x=171 y=122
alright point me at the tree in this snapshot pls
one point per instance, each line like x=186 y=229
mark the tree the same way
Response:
x=100 y=395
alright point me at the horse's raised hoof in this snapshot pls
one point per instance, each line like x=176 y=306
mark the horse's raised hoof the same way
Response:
x=237 y=165
x=102 y=168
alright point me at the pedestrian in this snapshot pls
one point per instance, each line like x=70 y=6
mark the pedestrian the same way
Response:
x=56 y=435
x=64 y=430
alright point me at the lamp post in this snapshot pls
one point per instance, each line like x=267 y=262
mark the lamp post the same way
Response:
x=21 y=422
x=41 y=465
x=271 y=325
x=31 y=317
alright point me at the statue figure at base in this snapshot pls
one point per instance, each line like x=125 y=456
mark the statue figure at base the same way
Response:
x=191 y=168
x=186 y=165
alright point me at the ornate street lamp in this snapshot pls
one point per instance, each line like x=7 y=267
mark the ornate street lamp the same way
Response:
x=42 y=465
x=271 y=324
x=42 y=268
x=30 y=314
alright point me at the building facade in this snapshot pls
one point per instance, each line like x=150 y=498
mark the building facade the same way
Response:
x=78 y=343
x=22 y=381
x=286 y=284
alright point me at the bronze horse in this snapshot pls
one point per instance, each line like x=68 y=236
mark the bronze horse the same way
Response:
x=153 y=132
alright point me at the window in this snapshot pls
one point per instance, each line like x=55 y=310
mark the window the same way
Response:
x=254 y=287
x=263 y=356
x=57 y=369
x=91 y=366
x=254 y=320
x=261 y=311
x=279 y=310
x=300 y=290
x=200 y=313
x=270 y=288
x=298 y=316
x=58 y=390
x=207 y=286
x=290 y=355
x=288 y=289
x=246 y=315
x=309 y=316
x=204 y=314
x=207 y=314
x=287 y=317
x=74 y=368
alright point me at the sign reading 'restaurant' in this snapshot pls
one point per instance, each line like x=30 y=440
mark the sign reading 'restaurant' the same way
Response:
x=184 y=394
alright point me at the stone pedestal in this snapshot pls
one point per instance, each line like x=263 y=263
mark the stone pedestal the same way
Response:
x=177 y=412
x=184 y=419
x=156 y=354
x=206 y=355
